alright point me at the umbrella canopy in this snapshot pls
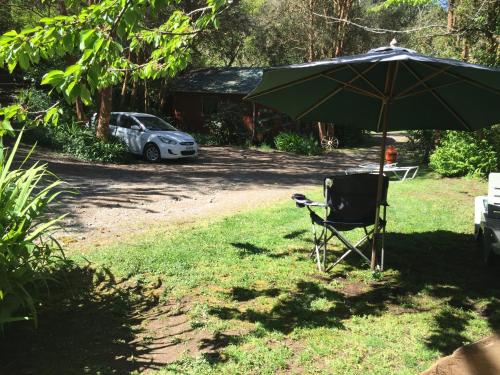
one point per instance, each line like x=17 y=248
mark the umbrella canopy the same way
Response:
x=388 y=88
x=423 y=92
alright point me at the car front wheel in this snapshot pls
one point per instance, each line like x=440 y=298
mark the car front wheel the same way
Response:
x=152 y=153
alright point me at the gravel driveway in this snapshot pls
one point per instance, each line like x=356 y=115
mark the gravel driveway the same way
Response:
x=115 y=200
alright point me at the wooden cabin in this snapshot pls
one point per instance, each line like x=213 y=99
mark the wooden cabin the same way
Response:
x=197 y=95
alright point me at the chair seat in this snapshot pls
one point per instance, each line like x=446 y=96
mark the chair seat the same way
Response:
x=340 y=225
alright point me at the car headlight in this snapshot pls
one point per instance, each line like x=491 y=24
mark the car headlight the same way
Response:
x=168 y=141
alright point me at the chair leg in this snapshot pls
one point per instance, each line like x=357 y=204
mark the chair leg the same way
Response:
x=317 y=246
x=325 y=242
x=349 y=245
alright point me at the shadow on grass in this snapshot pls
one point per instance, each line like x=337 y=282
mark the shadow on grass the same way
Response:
x=246 y=248
x=443 y=265
x=294 y=234
x=86 y=328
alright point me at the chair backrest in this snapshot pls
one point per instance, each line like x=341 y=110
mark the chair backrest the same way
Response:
x=494 y=189
x=353 y=198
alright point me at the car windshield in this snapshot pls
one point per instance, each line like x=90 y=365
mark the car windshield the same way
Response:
x=155 y=123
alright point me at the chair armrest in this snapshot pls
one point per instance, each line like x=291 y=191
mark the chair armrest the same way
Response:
x=302 y=201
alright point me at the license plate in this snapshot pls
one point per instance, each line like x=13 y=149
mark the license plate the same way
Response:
x=190 y=148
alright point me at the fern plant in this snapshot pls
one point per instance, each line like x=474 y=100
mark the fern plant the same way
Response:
x=28 y=254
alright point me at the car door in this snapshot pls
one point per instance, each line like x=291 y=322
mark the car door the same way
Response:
x=135 y=136
x=123 y=128
x=112 y=124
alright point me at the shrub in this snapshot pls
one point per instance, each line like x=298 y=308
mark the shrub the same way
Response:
x=421 y=143
x=461 y=154
x=33 y=99
x=225 y=126
x=205 y=139
x=297 y=144
x=81 y=143
x=28 y=255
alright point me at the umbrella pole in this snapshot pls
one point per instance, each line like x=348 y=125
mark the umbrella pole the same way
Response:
x=376 y=232
x=383 y=120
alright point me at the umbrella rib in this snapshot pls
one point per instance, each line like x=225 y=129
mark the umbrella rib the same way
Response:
x=465 y=79
x=332 y=94
x=426 y=90
x=390 y=81
x=440 y=100
x=354 y=88
x=405 y=91
x=295 y=82
x=380 y=93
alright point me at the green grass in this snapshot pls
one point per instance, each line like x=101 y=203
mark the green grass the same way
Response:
x=248 y=278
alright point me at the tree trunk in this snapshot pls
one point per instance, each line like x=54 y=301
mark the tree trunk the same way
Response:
x=451 y=15
x=163 y=95
x=133 y=95
x=465 y=51
x=80 y=111
x=342 y=9
x=126 y=79
x=105 y=105
x=310 y=9
x=146 y=96
x=123 y=93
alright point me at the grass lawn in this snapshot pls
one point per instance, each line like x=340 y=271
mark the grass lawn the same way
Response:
x=246 y=286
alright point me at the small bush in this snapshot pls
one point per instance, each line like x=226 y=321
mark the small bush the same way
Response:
x=225 y=127
x=297 y=144
x=421 y=143
x=28 y=255
x=461 y=154
x=205 y=139
x=81 y=143
x=33 y=99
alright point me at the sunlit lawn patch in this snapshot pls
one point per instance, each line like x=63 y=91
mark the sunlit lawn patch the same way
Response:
x=250 y=273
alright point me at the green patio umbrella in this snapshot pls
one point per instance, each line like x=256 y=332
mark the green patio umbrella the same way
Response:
x=388 y=88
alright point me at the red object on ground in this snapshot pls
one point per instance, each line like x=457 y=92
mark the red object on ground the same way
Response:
x=391 y=155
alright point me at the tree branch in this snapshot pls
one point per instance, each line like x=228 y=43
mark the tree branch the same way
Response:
x=118 y=18
x=377 y=30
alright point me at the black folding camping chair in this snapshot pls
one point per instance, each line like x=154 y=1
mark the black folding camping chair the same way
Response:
x=350 y=203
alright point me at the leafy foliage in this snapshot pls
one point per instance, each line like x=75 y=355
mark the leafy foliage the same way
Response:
x=225 y=126
x=101 y=38
x=82 y=143
x=421 y=143
x=28 y=255
x=292 y=142
x=461 y=154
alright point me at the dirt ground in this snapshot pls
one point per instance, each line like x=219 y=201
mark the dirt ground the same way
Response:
x=112 y=200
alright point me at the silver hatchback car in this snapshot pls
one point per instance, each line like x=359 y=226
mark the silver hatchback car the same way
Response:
x=151 y=136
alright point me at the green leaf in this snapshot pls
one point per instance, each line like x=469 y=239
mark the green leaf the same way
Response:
x=54 y=78
x=72 y=90
x=98 y=43
x=86 y=38
x=72 y=70
x=68 y=42
x=85 y=95
x=11 y=65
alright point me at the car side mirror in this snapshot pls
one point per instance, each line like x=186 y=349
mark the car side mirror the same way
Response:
x=135 y=127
